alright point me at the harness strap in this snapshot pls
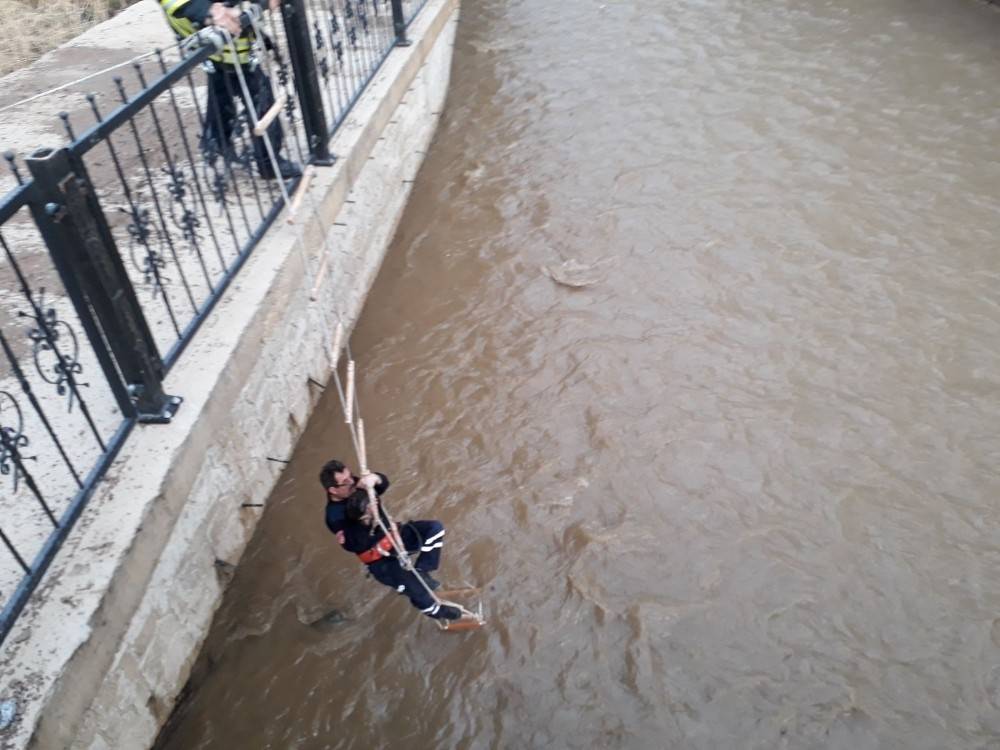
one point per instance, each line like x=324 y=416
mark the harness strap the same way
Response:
x=382 y=548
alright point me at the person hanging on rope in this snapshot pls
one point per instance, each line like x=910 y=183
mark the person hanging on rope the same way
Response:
x=187 y=17
x=350 y=517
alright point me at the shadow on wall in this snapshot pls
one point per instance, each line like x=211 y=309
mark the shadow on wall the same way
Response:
x=30 y=28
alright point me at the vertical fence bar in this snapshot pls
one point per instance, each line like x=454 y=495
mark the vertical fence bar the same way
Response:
x=334 y=31
x=86 y=257
x=399 y=23
x=182 y=131
x=355 y=72
x=306 y=80
x=221 y=178
x=139 y=220
x=279 y=72
x=177 y=188
x=141 y=153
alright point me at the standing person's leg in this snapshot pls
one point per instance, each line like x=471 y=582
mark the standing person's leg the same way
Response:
x=262 y=98
x=220 y=113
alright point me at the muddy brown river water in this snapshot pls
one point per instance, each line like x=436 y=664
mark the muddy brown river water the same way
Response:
x=742 y=491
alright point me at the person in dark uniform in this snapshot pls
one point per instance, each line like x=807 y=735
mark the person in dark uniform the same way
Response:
x=350 y=517
x=187 y=17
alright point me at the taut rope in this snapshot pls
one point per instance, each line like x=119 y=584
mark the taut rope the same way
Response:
x=356 y=427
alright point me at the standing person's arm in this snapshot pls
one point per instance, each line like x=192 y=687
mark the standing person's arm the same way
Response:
x=234 y=20
x=244 y=19
x=212 y=12
x=198 y=12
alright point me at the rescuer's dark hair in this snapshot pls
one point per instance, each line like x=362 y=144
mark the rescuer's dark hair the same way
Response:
x=326 y=474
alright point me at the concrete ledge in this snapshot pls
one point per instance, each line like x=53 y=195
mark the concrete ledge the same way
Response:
x=98 y=658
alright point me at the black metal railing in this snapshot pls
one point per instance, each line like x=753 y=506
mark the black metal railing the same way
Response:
x=350 y=39
x=61 y=422
x=184 y=213
x=117 y=245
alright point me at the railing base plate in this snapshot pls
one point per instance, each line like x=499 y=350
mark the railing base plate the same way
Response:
x=165 y=415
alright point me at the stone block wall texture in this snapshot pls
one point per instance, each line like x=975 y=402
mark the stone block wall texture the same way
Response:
x=99 y=657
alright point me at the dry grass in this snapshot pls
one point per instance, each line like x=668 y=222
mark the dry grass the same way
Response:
x=30 y=28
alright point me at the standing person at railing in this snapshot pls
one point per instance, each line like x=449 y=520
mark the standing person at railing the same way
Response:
x=187 y=17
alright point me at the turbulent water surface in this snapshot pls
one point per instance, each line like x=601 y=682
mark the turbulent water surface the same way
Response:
x=739 y=488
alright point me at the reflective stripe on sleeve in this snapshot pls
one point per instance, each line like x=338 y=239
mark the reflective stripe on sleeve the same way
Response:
x=171 y=5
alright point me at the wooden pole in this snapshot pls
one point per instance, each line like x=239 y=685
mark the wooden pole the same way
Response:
x=349 y=396
x=300 y=194
x=338 y=336
x=265 y=122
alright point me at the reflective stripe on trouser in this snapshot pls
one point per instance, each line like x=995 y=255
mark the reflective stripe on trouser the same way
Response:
x=220 y=120
x=425 y=537
x=389 y=572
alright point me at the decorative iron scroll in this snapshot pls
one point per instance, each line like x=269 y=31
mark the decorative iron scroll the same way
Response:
x=64 y=364
x=188 y=221
x=150 y=262
x=12 y=439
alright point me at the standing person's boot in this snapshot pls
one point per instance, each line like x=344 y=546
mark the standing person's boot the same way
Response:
x=287 y=169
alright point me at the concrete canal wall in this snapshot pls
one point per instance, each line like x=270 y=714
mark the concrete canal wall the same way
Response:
x=98 y=659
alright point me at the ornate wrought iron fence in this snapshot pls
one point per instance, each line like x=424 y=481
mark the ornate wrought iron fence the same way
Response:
x=350 y=39
x=61 y=420
x=116 y=247
x=184 y=214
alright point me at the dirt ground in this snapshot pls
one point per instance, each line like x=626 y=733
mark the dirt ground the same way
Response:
x=30 y=28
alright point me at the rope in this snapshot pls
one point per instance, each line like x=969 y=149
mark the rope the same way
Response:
x=259 y=49
x=61 y=87
x=310 y=198
x=222 y=37
x=355 y=426
x=251 y=108
x=374 y=502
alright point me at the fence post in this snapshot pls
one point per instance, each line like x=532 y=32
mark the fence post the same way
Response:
x=83 y=250
x=399 y=24
x=300 y=51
